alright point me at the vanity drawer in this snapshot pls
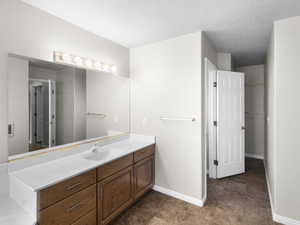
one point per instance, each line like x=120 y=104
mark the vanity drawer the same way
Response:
x=114 y=166
x=144 y=153
x=68 y=211
x=65 y=189
x=89 y=219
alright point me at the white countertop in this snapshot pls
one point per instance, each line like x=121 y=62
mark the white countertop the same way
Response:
x=12 y=214
x=46 y=174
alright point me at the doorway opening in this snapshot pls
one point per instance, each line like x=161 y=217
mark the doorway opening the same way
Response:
x=42 y=123
x=234 y=129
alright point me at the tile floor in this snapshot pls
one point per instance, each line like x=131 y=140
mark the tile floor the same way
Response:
x=236 y=200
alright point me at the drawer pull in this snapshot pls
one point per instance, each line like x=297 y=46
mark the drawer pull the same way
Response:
x=71 y=187
x=75 y=206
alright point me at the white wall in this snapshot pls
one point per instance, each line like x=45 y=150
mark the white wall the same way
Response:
x=3 y=106
x=269 y=157
x=36 y=72
x=287 y=129
x=108 y=95
x=80 y=105
x=4 y=189
x=65 y=102
x=282 y=153
x=209 y=52
x=41 y=73
x=34 y=33
x=18 y=109
x=270 y=145
x=254 y=107
x=166 y=81
x=224 y=61
x=70 y=101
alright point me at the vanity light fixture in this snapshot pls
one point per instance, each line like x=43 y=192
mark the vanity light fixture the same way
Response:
x=66 y=57
x=82 y=62
x=78 y=61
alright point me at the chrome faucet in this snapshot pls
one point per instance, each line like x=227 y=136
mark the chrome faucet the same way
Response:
x=94 y=148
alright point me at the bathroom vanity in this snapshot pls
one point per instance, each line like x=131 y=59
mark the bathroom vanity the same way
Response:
x=88 y=188
x=72 y=160
x=99 y=194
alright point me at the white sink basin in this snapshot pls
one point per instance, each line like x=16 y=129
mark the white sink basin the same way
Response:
x=97 y=154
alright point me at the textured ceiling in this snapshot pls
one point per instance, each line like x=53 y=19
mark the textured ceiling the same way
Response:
x=241 y=27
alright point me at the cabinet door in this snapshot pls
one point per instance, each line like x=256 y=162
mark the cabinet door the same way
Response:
x=143 y=176
x=114 y=195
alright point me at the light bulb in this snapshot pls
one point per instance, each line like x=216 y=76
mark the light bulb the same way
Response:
x=88 y=63
x=78 y=60
x=66 y=57
x=113 y=69
x=106 y=68
x=98 y=65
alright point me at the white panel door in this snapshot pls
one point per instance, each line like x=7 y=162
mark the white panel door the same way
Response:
x=230 y=124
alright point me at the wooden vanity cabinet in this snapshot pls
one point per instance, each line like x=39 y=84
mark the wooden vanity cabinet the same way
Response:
x=111 y=168
x=71 y=202
x=57 y=192
x=114 y=195
x=89 y=219
x=99 y=195
x=143 y=176
x=143 y=153
x=71 y=209
x=129 y=178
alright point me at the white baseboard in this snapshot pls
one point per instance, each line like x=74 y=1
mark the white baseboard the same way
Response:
x=254 y=156
x=269 y=192
x=180 y=196
x=285 y=220
x=276 y=217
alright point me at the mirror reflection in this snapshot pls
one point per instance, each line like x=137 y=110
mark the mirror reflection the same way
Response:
x=42 y=114
x=52 y=104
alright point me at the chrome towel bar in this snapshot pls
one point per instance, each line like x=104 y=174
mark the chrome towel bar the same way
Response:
x=192 y=119
x=96 y=114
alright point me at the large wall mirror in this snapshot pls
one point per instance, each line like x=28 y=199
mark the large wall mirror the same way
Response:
x=51 y=104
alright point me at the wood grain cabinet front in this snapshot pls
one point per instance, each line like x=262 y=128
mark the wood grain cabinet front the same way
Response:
x=89 y=219
x=66 y=188
x=144 y=153
x=114 y=195
x=69 y=210
x=80 y=201
x=114 y=166
x=143 y=176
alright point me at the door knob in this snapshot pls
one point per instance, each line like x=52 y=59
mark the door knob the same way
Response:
x=243 y=128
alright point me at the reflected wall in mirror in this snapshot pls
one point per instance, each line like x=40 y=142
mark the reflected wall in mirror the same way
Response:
x=51 y=104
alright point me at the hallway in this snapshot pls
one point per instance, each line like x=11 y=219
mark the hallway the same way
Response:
x=237 y=200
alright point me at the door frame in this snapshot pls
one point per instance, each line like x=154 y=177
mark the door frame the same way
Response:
x=212 y=129
x=51 y=112
x=207 y=63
